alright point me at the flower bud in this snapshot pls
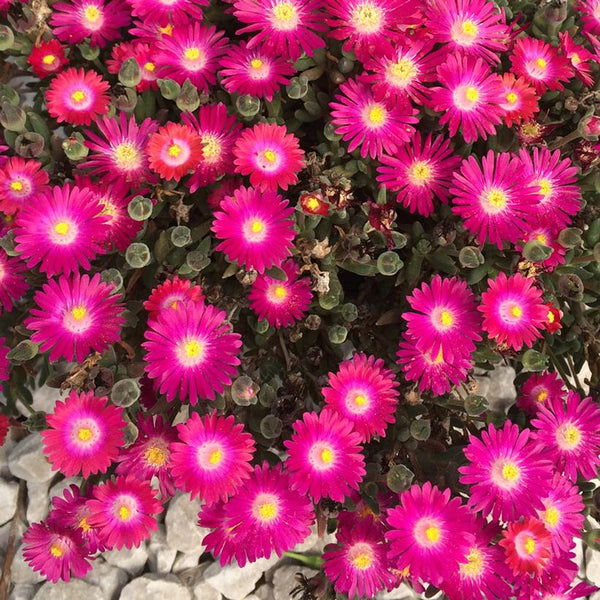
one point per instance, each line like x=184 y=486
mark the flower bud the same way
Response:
x=74 y=147
x=470 y=257
x=12 y=117
x=140 y=208
x=399 y=478
x=389 y=263
x=7 y=38
x=188 y=99
x=248 y=106
x=22 y=352
x=534 y=361
x=536 y=252
x=297 y=88
x=130 y=73
x=169 y=89
x=29 y=145
x=337 y=334
x=125 y=392
x=112 y=277
x=138 y=255
x=181 y=236
x=271 y=427
x=570 y=237
x=244 y=391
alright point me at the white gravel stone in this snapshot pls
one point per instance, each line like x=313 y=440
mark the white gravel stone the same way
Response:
x=592 y=571
x=284 y=580
x=498 y=387
x=23 y=592
x=402 y=592
x=203 y=591
x=76 y=589
x=236 y=583
x=161 y=556
x=155 y=587
x=181 y=520
x=313 y=544
x=9 y=491
x=21 y=572
x=185 y=561
x=27 y=461
x=45 y=398
x=5 y=450
x=131 y=560
x=264 y=592
x=37 y=501
x=107 y=577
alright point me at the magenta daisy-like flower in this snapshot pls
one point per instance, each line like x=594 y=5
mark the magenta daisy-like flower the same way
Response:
x=254 y=71
x=281 y=303
x=579 y=57
x=538 y=390
x=562 y=514
x=4 y=362
x=55 y=551
x=540 y=64
x=513 y=311
x=165 y=12
x=428 y=532
x=84 y=434
x=444 y=318
x=150 y=455
x=77 y=97
x=21 y=181
x=74 y=316
x=325 y=458
x=124 y=511
x=100 y=21
x=527 y=547
x=495 y=199
x=191 y=352
x=212 y=458
x=266 y=515
x=12 y=281
x=419 y=171
x=118 y=153
x=505 y=466
x=520 y=101
x=469 y=96
x=218 y=132
x=432 y=372
x=369 y=123
x=174 y=151
x=590 y=15
x=469 y=27
x=192 y=52
x=257 y=228
x=556 y=181
x=172 y=295
x=369 y=27
x=271 y=156
x=62 y=231
x=571 y=433
x=546 y=233
x=364 y=392
x=357 y=563
x=402 y=73
x=565 y=591
x=283 y=28
x=47 y=57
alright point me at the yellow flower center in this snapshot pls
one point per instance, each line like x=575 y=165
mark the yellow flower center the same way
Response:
x=419 y=172
x=545 y=187
x=542 y=396
x=550 y=317
x=472 y=94
x=215 y=457
x=284 y=12
x=575 y=59
x=78 y=96
x=446 y=318
x=469 y=29
x=529 y=545
x=280 y=292
x=496 y=199
x=256 y=63
x=211 y=148
x=125 y=155
x=192 y=53
x=84 y=525
x=16 y=186
x=78 y=313
x=362 y=561
x=313 y=203
x=474 y=564
x=376 y=115
x=124 y=513
x=540 y=237
x=516 y=311
x=156 y=456
x=150 y=66
x=326 y=455
x=360 y=400
x=439 y=358
x=166 y=30
x=531 y=129
x=56 y=551
x=48 y=59
x=541 y=63
x=510 y=472
x=551 y=516
x=432 y=533
x=174 y=150
x=511 y=97
x=267 y=511
x=62 y=228
x=192 y=349
x=367 y=17
x=92 y=14
x=84 y=434
x=256 y=226
x=270 y=156
x=571 y=436
x=403 y=70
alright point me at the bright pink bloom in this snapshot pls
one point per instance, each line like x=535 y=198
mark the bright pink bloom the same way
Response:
x=47 y=58
x=254 y=72
x=469 y=97
x=527 y=546
x=519 y=100
x=571 y=433
x=257 y=228
x=267 y=515
x=144 y=55
x=444 y=318
x=419 y=171
x=212 y=460
x=55 y=551
x=150 y=455
x=118 y=153
x=218 y=132
x=74 y=316
x=191 y=52
x=428 y=532
x=313 y=203
x=579 y=58
x=357 y=563
x=21 y=181
x=191 y=352
x=281 y=303
x=538 y=390
x=540 y=64
x=513 y=311
x=368 y=123
x=495 y=199
x=505 y=465
x=84 y=434
x=325 y=459
x=172 y=295
x=364 y=392
x=564 y=591
x=97 y=20
x=272 y=157
x=223 y=188
x=77 y=97
x=62 y=231
x=164 y=12
x=556 y=180
x=12 y=281
x=468 y=27
x=124 y=511
x=283 y=28
x=546 y=233
x=590 y=15
x=174 y=151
